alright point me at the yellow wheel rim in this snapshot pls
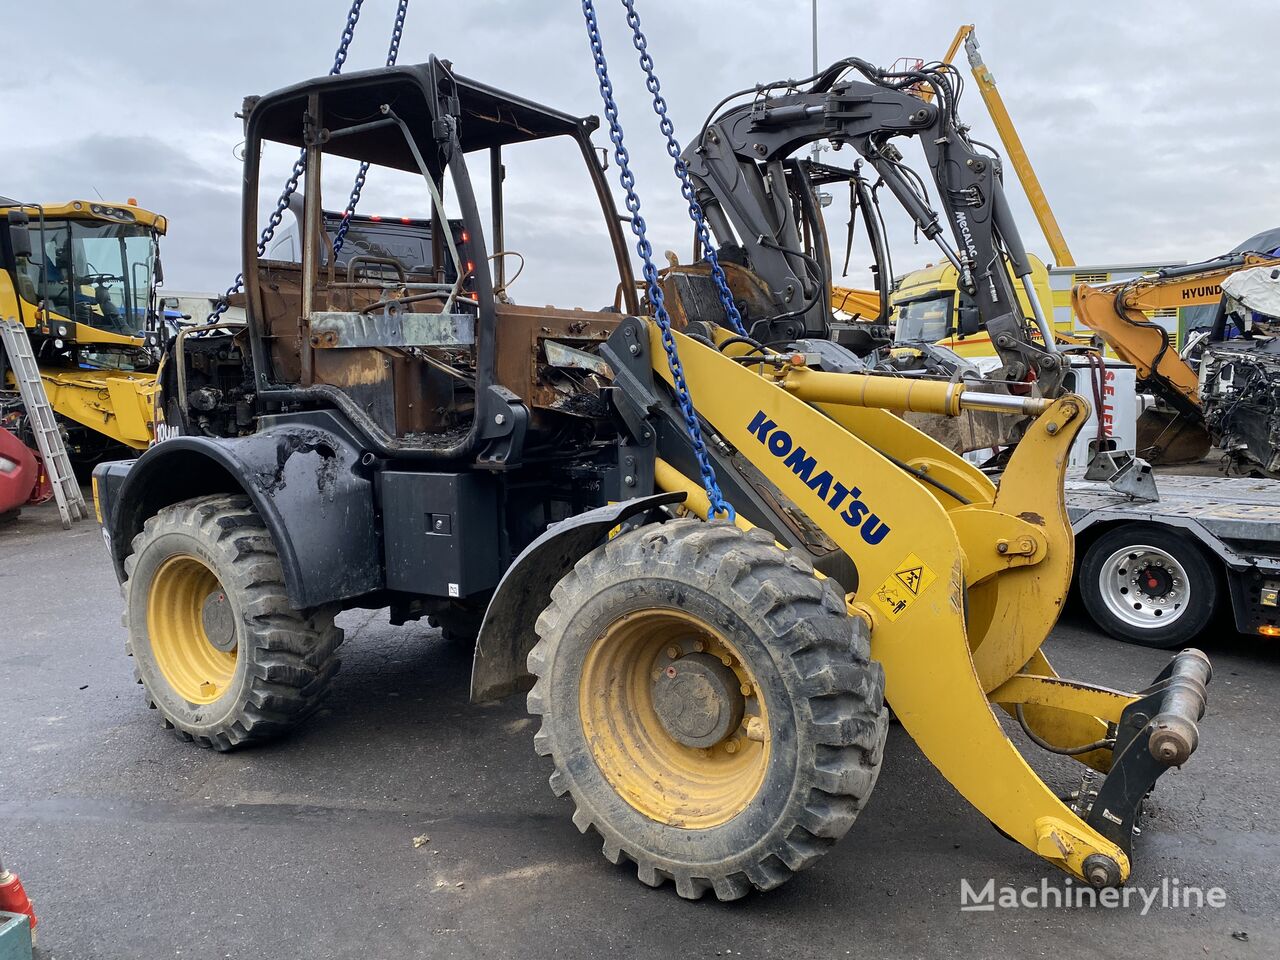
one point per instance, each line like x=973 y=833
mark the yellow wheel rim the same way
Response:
x=636 y=737
x=182 y=592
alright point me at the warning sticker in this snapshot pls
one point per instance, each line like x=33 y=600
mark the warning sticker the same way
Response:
x=901 y=588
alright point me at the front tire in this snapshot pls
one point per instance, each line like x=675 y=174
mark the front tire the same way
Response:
x=1148 y=585
x=221 y=653
x=709 y=705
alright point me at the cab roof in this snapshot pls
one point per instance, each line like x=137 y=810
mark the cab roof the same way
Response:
x=417 y=94
x=98 y=210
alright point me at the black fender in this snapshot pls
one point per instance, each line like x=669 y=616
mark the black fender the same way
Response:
x=304 y=477
x=507 y=635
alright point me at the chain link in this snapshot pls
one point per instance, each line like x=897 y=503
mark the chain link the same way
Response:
x=393 y=51
x=299 y=168
x=719 y=506
x=682 y=170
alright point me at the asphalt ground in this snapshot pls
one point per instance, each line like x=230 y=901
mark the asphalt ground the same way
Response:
x=136 y=845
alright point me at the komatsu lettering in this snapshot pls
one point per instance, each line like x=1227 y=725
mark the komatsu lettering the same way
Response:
x=834 y=494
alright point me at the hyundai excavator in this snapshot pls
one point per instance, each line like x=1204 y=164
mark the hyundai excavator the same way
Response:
x=702 y=540
x=1184 y=424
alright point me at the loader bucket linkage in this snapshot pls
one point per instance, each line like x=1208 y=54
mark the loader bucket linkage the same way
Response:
x=961 y=583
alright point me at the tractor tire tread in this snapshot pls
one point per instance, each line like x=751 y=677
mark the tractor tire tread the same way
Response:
x=292 y=653
x=824 y=654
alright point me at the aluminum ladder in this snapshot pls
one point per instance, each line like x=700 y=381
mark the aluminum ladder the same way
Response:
x=66 y=491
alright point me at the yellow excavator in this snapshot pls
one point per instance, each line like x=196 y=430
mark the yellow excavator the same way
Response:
x=1176 y=429
x=81 y=276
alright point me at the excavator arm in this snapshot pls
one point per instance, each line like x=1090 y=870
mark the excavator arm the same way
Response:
x=1118 y=313
x=755 y=196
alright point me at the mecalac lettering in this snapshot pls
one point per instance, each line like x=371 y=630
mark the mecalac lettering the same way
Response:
x=835 y=494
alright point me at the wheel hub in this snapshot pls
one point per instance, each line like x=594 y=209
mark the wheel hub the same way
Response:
x=219 y=622
x=191 y=629
x=698 y=700
x=674 y=718
x=1153 y=582
x=1144 y=586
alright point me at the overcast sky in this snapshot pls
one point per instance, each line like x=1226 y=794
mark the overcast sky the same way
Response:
x=1151 y=124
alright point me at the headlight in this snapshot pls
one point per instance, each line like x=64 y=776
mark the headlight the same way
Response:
x=112 y=213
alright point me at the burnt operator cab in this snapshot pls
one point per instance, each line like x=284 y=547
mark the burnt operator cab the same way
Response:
x=419 y=389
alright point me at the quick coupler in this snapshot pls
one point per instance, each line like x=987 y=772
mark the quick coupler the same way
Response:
x=1157 y=731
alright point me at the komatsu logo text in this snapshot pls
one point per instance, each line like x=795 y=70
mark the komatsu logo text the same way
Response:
x=843 y=500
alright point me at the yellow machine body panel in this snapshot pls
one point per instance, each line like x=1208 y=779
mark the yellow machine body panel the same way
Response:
x=116 y=404
x=855 y=302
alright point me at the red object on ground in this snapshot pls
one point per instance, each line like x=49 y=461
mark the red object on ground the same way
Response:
x=22 y=475
x=13 y=899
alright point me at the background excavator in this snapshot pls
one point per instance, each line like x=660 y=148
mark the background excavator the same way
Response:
x=761 y=204
x=1202 y=403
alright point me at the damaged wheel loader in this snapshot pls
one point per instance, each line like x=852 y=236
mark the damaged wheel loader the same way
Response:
x=711 y=691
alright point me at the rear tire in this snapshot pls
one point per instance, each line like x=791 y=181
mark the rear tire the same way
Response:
x=759 y=653
x=1148 y=585
x=222 y=654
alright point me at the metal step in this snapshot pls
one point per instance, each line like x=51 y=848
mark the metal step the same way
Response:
x=66 y=491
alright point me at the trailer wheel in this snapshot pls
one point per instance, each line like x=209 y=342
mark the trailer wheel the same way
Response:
x=709 y=705
x=221 y=653
x=1148 y=585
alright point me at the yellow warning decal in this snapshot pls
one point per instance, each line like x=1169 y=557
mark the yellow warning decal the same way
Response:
x=901 y=588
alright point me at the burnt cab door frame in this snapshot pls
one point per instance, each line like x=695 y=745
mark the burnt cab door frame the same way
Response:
x=420 y=119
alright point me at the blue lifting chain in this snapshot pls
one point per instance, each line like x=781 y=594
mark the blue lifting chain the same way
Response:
x=682 y=170
x=299 y=168
x=719 y=506
x=393 y=51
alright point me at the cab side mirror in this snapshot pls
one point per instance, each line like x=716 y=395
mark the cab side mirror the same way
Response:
x=969 y=322
x=159 y=272
x=20 y=234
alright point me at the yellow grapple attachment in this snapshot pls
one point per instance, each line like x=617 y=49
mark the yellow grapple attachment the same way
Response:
x=961 y=583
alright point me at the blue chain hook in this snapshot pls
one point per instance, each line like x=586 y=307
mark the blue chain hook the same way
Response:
x=682 y=170
x=299 y=168
x=393 y=51
x=719 y=506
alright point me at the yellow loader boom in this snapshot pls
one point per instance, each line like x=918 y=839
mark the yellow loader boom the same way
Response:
x=961 y=582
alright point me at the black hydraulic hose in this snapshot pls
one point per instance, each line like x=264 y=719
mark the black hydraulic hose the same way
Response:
x=1063 y=751
x=753 y=344
x=1122 y=312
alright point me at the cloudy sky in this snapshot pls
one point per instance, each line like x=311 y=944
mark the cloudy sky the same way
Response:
x=1151 y=124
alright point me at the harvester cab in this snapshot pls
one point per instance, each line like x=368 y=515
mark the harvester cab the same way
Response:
x=82 y=278
x=708 y=562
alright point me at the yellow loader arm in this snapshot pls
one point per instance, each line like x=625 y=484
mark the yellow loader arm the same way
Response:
x=961 y=583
